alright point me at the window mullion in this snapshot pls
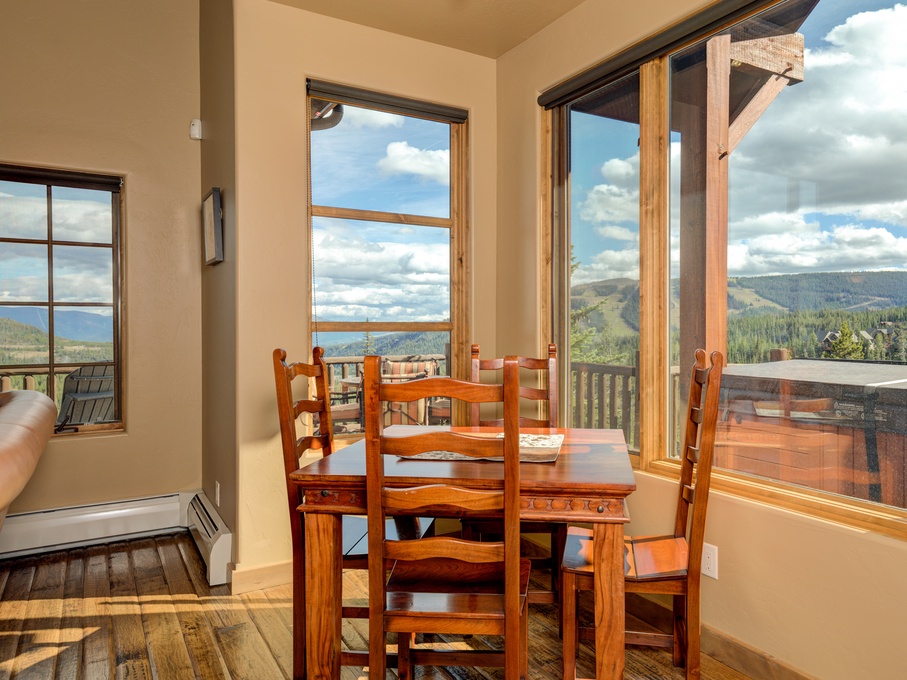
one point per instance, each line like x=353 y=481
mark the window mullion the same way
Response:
x=654 y=266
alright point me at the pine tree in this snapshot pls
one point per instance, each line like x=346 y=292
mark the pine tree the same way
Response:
x=845 y=346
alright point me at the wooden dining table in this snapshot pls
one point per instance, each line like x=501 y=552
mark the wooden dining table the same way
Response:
x=589 y=482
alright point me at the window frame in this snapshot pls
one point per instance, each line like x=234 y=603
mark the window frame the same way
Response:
x=458 y=225
x=49 y=178
x=651 y=57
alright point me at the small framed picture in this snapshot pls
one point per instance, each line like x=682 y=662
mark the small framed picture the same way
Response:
x=213 y=220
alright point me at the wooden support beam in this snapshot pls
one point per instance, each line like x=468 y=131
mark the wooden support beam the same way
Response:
x=754 y=110
x=779 y=55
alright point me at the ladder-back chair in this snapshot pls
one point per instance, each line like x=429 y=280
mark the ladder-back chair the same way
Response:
x=294 y=446
x=668 y=565
x=443 y=585
x=544 y=393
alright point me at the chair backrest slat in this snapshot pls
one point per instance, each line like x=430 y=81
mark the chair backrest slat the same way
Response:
x=698 y=448
x=546 y=369
x=390 y=495
x=289 y=409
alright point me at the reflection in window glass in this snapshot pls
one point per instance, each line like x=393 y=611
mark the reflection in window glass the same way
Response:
x=812 y=304
x=374 y=160
x=82 y=215
x=23 y=210
x=380 y=272
x=604 y=248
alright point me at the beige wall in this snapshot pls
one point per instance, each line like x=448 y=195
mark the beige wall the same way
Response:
x=218 y=147
x=822 y=598
x=276 y=48
x=111 y=86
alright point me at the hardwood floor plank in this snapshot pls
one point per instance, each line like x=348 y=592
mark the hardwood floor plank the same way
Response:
x=273 y=630
x=167 y=652
x=197 y=632
x=13 y=612
x=69 y=659
x=244 y=650
x=128 y=634
x=38 y=647
x=97 y=628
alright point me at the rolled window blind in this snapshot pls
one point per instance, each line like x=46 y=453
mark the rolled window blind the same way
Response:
x=388 y=102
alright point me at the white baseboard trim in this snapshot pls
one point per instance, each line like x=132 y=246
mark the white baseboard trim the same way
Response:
x=257 y=578
x=36 y=532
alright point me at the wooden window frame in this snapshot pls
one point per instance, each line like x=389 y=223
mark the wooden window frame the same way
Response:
x=459 y=327
x=652 y=61
x=80 y=180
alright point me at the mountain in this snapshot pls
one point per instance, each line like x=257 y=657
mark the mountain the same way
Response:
x=73 y=325
x=853 y=291
x=392 y=344
x=617 y=300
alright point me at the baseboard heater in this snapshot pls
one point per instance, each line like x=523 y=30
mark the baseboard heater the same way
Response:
x=37 y=532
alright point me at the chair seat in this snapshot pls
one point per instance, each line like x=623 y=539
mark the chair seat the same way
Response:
x=646 y=558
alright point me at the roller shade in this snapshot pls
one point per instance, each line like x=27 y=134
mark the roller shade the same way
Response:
x=388 y=102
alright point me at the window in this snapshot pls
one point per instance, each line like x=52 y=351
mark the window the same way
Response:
x=388 y=236
x=772 y=228
x=60 y=296
x=602 y=276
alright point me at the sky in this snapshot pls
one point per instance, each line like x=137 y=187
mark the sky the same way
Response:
x=377 y=271
x=82 y=274
x=818 y=184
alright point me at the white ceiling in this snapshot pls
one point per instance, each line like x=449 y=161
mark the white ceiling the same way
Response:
x=485 y=27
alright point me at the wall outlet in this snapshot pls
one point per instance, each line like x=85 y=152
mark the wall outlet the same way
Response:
x=217 y=496
x=710 y=560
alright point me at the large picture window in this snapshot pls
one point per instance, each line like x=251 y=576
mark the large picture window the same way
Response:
x=772 y=186
x=59 y=301
x=388 y=240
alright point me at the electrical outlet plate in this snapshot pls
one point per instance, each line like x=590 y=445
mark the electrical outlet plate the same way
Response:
x=710 y=560
x=217 y=494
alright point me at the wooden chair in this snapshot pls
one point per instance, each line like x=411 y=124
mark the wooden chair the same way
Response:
x=544 y=397
x=443 y=585
x=546 y=400
x=355 y=554
x=670 y=564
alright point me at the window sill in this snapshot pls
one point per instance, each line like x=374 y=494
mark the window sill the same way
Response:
x=851 y=512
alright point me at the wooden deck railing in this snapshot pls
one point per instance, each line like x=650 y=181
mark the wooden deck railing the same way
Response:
x=606 y=396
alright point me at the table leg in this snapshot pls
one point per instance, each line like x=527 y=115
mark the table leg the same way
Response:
x=608 y=547
x=324 y=594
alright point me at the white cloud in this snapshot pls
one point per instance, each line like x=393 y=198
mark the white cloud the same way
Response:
x=617 y=233
x=369 y=118
x=381 y=280
x=610 y=203
x=609 y=264
x=429 y=164
x=849 y=247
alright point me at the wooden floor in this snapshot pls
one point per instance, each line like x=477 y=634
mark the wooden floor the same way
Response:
x=142 y=609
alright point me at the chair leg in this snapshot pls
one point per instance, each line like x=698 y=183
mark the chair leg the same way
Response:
x=680 y=637
x=558 y=542
x=570 y=631
x=404 y=656
x=524 y=641
x=693 y=630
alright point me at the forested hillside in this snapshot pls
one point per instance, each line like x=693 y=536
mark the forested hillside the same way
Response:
x=796 y=312
x=24 y=344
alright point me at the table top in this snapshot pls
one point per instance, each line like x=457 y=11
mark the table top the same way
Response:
x=590 y=462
